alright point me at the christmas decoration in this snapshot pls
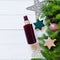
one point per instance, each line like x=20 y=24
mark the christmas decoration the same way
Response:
x=53 y=27
x=36 y=7
x=51 y=12
x=49 y=43
x=39 y=24
x=51 y=38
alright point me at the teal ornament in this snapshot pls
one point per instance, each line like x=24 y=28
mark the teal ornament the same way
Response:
x=39 y=24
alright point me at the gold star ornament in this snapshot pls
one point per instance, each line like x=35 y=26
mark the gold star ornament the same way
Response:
x=50 y=43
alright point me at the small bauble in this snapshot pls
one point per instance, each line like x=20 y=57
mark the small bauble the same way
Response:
x=53 y=27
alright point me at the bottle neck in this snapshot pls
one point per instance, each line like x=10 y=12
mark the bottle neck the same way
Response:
x=26 y=22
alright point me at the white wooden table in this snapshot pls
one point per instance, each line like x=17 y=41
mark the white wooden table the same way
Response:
x=13 y=45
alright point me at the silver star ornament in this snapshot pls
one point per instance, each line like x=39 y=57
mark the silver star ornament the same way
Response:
x=36 y=7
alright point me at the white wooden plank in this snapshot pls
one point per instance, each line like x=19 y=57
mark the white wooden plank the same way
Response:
x=13 y=45
x=12 y=12
x=14 y=21
x=10 y=22
x=13 y=7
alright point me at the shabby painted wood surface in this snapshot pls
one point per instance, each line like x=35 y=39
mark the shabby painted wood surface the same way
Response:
x=13 y=45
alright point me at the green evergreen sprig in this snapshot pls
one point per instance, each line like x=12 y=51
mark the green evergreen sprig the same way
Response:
x=51 y=12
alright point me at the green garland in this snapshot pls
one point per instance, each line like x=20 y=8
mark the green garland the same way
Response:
x=52 y=13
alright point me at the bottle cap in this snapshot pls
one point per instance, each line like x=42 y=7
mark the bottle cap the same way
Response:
x=25 y=18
